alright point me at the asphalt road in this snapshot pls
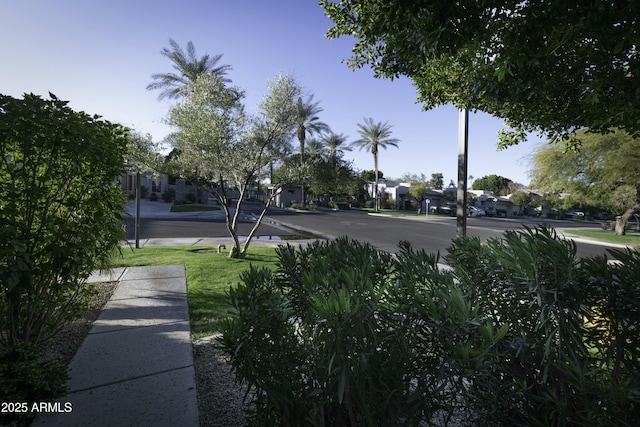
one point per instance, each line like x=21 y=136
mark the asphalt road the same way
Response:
x=433 y=233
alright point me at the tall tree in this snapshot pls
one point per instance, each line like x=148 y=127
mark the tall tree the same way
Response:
x=221 y=147
x=547 y=66
x=437 y=181
x=337 y=144
x=374 y=136
x=188 y=68
x=308 y=123
x=604 y=172
x=315 y=147
x=498 y=185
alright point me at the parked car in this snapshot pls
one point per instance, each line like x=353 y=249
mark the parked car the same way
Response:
x=447 y=209
x=575 y=213
x=475 y=211
x=490 y=211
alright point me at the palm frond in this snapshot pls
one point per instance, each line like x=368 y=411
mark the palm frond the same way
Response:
x=188 y=66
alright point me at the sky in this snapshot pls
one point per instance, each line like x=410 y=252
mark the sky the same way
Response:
x=99 y=55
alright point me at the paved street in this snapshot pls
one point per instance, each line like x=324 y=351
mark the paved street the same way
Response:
x=432 y=233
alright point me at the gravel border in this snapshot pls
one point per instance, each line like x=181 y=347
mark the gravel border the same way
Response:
x=65 y=343
x=220 y=397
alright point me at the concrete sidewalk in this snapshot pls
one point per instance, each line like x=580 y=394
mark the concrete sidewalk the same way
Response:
x=135 y=368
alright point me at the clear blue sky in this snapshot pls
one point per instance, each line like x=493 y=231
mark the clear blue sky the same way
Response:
x=100 y=55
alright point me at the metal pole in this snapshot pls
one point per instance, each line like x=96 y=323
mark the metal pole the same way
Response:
x=463 y=145
x=137 y=220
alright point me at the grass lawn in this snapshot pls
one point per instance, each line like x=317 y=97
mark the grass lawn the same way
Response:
x=209 y=276
x=631 y=238
x=400 y=213
x=193 y=208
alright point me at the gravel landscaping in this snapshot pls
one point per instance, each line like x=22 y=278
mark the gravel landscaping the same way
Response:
x=220 y=398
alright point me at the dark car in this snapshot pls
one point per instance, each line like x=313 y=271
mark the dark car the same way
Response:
x=490 y=211
x=447 y=209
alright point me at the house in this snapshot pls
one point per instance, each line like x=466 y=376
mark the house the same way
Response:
x=161 y=184
x=153 y=184
x=397 y=195
x=286 y=195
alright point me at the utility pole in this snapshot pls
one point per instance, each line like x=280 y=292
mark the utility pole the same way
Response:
x=463 y=146
x=137 y=220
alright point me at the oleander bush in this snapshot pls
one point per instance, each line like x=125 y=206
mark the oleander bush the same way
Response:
x=519 y=332
x=571 y=354
x=343 y=334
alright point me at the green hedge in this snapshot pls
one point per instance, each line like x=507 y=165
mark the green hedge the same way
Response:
x=520 y=332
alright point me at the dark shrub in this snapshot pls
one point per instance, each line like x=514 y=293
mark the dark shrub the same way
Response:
x=341 y=334
x=169 y=195
x=571 y=353
x=25 y=377
x=60 y=205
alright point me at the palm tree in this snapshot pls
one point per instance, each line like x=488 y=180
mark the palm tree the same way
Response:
x=188 y=67
x=373 y=136
x=336 y=144
x=315 y=147
x=308 y=123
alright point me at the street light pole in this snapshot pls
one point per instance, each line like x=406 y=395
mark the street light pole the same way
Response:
x=463 y=146
x=137 y=220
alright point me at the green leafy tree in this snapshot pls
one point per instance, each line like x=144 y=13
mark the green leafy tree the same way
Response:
x=307 y=123
x=498 y=185
x=437 y=181
x=370 y=174
x=419 y=186
x=544 y=66
x=60 y=205
x=522 y=199
x=188 y=68
x=603 y=172
x=551 y=201
x=324 y=176
x=374 y=136
x=221 y=147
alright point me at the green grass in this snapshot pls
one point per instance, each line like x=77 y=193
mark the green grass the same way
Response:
x=400 y=213
x=193 y=208
x=209 y=276
x=630 y=238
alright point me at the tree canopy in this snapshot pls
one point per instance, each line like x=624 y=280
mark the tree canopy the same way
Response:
x=188 y=66
x=220 y=146
x=498 y=185
x=604 y=172
x=374 y=136
x=551 y=67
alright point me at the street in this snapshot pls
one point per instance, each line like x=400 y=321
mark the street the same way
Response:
x=432 y=233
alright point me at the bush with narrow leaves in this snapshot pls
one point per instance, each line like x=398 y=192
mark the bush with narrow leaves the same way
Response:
x=343 y=334
x=571 y=355
x=520 y=332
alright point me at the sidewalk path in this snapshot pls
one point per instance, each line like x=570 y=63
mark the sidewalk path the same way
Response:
x=135 y=368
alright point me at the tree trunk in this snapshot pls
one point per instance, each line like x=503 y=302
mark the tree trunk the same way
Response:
x=623 y=220
x=375 y=185
x=302 y=136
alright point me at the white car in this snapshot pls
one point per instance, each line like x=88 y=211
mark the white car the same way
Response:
x=475 y=211
x=574 y=213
